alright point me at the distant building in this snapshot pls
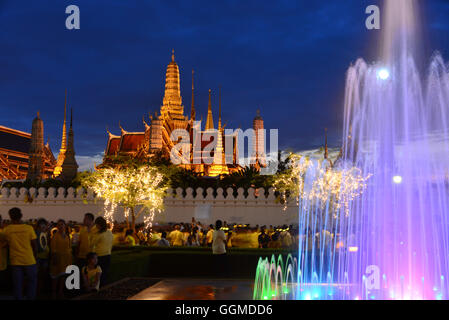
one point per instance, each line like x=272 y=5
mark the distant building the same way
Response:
x=25 y=156
x=156 y=137
x=15 y=148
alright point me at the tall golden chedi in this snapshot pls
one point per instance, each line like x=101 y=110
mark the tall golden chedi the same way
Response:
x=219 y=165
x=172 y=108
x=69 y=166
x=156 y=137
x=62 y=151
x=210 y=118
x=36 y=153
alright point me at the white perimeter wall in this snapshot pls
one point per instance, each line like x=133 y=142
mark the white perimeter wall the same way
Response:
x=70 y=204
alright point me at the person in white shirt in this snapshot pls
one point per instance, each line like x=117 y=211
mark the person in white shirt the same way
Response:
x=219 y=250
x=218 y=239
x=163 y=242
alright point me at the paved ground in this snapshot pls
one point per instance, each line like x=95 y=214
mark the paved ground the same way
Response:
x=198 y=289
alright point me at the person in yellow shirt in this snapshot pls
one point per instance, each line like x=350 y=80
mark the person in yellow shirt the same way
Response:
x=176 y=237
x=3 y=248
x=209 y=236
x=61 y=257
x=84 y=246
x=129 y=239
x=22 y=244
x=102 y=241
x=91 y=273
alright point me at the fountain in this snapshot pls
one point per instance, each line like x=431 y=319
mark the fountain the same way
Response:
x=391 y=241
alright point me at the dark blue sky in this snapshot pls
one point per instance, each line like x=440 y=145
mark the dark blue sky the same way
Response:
x=287 y=58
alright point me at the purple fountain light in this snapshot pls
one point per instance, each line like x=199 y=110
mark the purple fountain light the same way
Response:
x=393 y=243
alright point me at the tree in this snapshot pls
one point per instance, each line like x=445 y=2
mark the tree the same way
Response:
x=130 y=187
x=335 y=186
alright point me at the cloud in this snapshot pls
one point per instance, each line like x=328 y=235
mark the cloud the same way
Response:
x=87 y=162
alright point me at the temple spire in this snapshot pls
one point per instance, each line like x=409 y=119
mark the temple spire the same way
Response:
x=172 y=107
x=64 y=125
x=192 y=112
x=210 y=120
x=219 y=108
x=63 y=149
x=326 y=151
x=219 y=166
x=36 y=167
x=69 y=166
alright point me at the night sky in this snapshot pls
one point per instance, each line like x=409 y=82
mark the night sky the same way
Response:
x=288 y=58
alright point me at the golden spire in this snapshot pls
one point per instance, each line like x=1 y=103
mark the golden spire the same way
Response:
x=172 y=101
x=210 y=120
x=69 y=167
x=192 y=112
x=219 y=109
x=64 y=125
x=62 y=151
x=219 y=166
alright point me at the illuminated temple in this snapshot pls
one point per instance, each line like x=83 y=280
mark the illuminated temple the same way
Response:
x=156 y=135
x=24 y=156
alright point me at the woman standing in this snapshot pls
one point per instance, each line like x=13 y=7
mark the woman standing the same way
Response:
x=102 y=241
x=60 y=258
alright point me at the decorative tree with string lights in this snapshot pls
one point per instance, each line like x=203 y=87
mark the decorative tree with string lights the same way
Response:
x=137 y=189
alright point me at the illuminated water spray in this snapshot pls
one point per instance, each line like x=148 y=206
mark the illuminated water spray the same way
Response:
x=396 y=123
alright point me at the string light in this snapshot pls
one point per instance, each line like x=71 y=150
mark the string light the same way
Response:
x=129 y=188
x=337 y=185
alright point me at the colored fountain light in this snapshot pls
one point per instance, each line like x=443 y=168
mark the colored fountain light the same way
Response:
x=375 y=224
x=383 y=74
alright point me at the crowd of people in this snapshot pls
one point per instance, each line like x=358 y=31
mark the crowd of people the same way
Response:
x=195 y=234
x=40 y=251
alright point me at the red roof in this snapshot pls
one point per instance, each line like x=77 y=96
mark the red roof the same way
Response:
x=131 y=141
x=113 y=145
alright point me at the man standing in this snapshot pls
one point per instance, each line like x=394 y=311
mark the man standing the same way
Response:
x=163 y=242
x=21 y=239
x=209 y=236
x=219 y=250
x=264 y=239
x=84 y=245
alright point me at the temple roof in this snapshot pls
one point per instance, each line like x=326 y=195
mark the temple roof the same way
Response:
x=14 y=152
x=113 y=146
x=14 y=140
x=131 y=141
